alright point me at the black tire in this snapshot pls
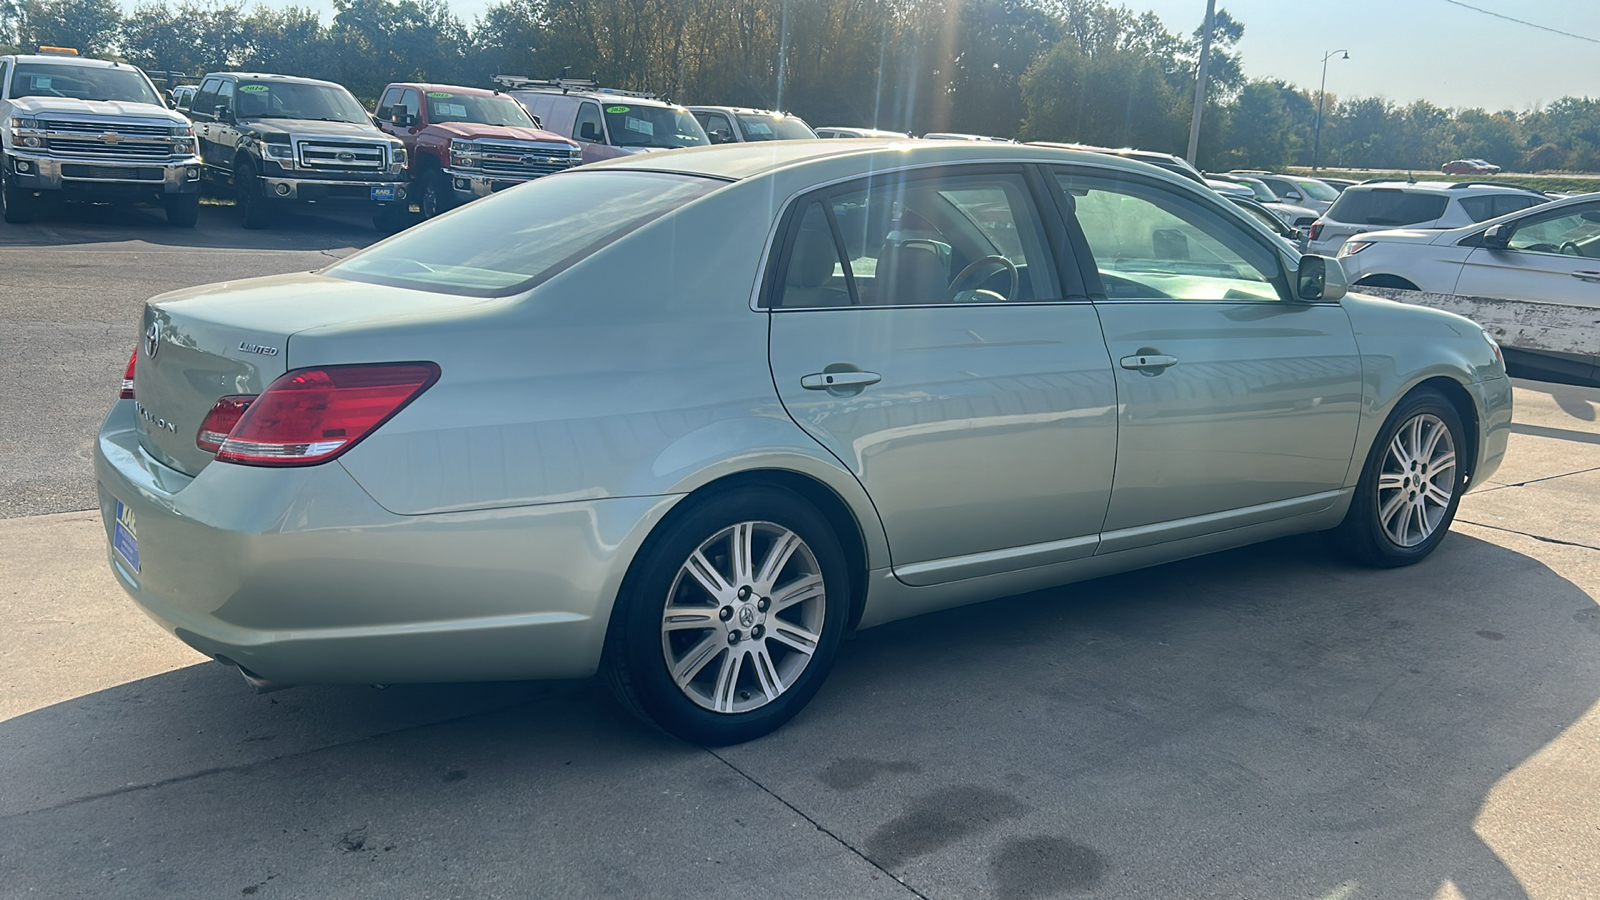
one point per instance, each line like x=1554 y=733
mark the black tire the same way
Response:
x=19 y=205
x=254 y=208
x=635 y=663
x=1363 y=536
x=436 y=196
x=183 y=210
x=391 y=219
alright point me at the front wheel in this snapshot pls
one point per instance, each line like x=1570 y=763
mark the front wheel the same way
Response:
x=730 y=618
x=254 y=207
x=16 y=205
x=436 y=194
x=1410 y=486
x=183 y=210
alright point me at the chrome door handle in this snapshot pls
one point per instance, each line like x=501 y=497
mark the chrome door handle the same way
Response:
x=1148 y=361
x=1588 y=275
x=823 y=381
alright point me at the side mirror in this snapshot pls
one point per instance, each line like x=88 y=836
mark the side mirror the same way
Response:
x=376 y=121
x=537 y=122
x=1292 y=195
x=1320 y=279
x=589 y=132
x=719 y=137
x=1498 y=237
x=222 y=113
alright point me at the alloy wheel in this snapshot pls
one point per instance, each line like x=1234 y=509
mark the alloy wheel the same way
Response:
x=1418 y=480
x=743 y=617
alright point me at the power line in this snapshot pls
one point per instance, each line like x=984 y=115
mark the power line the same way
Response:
x=1490 y=12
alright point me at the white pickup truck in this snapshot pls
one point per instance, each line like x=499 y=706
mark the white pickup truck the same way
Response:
x=87 y=129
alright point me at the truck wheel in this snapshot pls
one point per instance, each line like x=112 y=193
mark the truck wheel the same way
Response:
x=391 y=219
x=253 y=207
x=436 y=194
x=18 y=204
x=183 y=210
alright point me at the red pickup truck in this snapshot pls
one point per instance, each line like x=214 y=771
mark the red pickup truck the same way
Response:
x=465 y=143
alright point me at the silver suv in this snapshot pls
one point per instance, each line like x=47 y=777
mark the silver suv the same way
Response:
x=93 y=130
x=607 y=122
x=1373 y=206
x=738 y=124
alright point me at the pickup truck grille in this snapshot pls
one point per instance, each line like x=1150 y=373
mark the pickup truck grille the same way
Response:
x=55 y=126
x=522 y=160
x=339 y=156
x=121 y=149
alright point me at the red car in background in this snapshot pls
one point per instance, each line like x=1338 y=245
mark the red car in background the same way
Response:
x=464 y=142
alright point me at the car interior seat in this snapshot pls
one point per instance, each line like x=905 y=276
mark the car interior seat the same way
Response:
x=811 y=267
x=910 y=273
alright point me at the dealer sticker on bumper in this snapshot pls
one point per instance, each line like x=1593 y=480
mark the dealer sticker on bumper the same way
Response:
x=383 y=193
x=125 y=536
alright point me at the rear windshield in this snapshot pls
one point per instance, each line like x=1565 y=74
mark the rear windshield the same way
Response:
x=513 y=240
x=1387 y=206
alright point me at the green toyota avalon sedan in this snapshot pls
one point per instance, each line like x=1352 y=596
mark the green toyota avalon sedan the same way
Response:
x=686 y=419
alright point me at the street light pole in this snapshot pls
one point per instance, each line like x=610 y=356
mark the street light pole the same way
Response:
x=1316 y=143
x=1200 y=79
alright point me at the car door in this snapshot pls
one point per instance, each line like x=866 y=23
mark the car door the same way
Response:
x=1238 y=404
x=203 y=113
x=975 y=407
x=224 y=129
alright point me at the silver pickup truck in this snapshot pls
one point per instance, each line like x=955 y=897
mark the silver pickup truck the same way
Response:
x=88 y=129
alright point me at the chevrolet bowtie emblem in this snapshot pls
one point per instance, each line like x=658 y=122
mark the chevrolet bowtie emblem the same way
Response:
x=110 y=138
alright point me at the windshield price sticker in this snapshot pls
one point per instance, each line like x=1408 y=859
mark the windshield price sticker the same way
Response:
x=643 y=126
x=758 y=128
x=617 y=110
x=253 y=89
x=440 y=95
x=449 y=109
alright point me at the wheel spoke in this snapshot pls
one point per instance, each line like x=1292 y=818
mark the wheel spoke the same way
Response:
x=728 y=681
x=798 y=591
x=1394 y=504
x=793 y=637
x=1447 y=461
x=680 y=618
x=766 y=672
x=1414 y=437
x=690 y=664
x=708 y=576
x=777 y=557
x=1391 y=481
x=1436 y=431
x=1420 y=511
x=743 y=547
x=1437 y=494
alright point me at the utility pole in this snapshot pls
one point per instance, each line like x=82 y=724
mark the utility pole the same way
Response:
x=1200 y=81
x=1316 y=142
x=783 y=52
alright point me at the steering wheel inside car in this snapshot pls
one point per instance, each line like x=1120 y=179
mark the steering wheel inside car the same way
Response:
x=1570 y=248
x=959 y=293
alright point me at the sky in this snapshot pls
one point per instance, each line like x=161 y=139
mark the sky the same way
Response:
x=1403 y=50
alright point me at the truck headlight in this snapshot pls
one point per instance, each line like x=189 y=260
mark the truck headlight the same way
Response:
x=397 y=159
x=464 y=154
x=278 y=151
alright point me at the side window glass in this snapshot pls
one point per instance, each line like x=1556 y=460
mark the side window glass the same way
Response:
x=205 y=100
x=411 y=107
x=225 y=95
x=1511 y=204
x=1150 y=243
x=813 y=274
x=391 y=98
x=589 y=126
x=1576 y=233
x=1479 y=209
x=718 y=129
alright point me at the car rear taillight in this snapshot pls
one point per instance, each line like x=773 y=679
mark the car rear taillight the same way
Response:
x=220 y=421
x=127 y=378
x=1316 y=230
x=310 y=416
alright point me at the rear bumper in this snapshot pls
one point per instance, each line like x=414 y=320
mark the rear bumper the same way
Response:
x=298 y=576
x=39 y=172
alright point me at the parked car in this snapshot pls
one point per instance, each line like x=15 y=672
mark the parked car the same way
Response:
x=1414 y=204
x=1174 y=164
x=955 y=136
x=88 y=129
x=1469 y=167
x=274 y=140
x=463 y=143
x=836 y=131
x=1230 y=189
x=183 y=97
x=1549 y=253
x=735 y=124
x=1258 y=188
x=607 y=123
x=1296 y=189
x=1338 y=184
x=686 y=419
x=1267 y=217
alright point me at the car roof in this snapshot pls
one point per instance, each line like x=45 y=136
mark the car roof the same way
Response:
x=68 y=59
x=426 y=86
x=1441 y=186
x=743 y=110
x=598 y=95
x=269 y=76
x=748 y=160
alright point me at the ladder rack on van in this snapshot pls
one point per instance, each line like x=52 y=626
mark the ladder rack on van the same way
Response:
x=565 y=85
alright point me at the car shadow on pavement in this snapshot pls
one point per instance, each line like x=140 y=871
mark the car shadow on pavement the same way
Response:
x=1261 y=723
x=219 y=228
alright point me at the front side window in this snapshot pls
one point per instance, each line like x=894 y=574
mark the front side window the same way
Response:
x=653 y=126
x=386 y=106
x=718 y=129
x=1575 y=232
x=294 y=100
x=410 y=107
x=123 y=84
x=918 y=240
x=205 y=100
x=1150 y=243
x=508 y=242
x=588 y=127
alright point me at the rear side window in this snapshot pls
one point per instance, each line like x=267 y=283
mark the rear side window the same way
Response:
x=1490 y=206
x=1387 y=206
x=513 y=240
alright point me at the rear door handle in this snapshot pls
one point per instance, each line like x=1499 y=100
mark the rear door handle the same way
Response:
x=823 y=381
x=1148 y=361
x=1588 y=275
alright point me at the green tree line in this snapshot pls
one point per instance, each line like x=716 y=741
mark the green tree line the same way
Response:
x=1062 y=70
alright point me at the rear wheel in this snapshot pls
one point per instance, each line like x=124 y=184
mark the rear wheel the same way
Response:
x=1410 y=486
x=254 y=207
x=730 y=618
x=183 y=210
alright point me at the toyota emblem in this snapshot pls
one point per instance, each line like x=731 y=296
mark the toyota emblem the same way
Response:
x=152 y=338
x=346 y=156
